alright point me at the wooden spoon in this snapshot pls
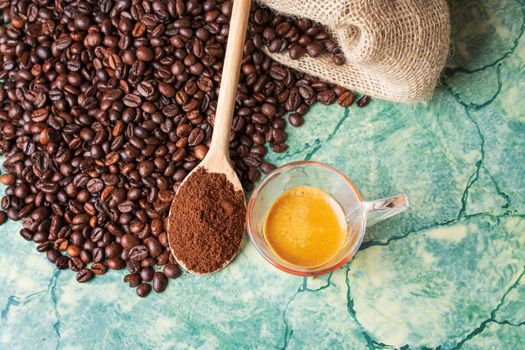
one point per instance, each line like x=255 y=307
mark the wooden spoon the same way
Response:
x=217 y=159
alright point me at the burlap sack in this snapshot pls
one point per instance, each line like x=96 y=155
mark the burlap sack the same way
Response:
x=395 y=49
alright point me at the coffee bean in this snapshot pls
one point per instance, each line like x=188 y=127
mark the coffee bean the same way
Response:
x=253 y=160
x=129 y=241
x=73 y=251
x=296 y=51
x=345 y=99
x=143 y=290
x=7 y=179
x=98 y=255
x=154 y=247
x=295 y=120
x=144 y=54
x=85 y=256
x=52 y=255
x=146 y=89
x=146 y=274
x=3 y=217
x=133 y=266
x=84 y=275
x=314 y=49
x=98 y=268
x=138 y=253
x=267 y=167
x=95 y=186
x=62 y=262
x=116 y=263
x=132 y=279
x=76 y=264
x=338 y=59
x=125 y=207
x=363 y=101
x=171 y=271
x=113 y=250
x=132 y=100
x=326 y=97
x=160 y=282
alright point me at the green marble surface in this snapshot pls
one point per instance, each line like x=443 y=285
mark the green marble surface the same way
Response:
x=447 y=274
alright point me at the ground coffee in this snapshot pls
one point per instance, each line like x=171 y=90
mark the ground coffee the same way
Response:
x=207 y=222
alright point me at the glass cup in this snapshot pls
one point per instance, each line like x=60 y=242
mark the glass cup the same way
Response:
x=358 y=213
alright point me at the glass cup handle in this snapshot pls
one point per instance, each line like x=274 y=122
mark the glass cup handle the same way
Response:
x=384 y=208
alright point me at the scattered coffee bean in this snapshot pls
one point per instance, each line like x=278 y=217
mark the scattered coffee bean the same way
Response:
x=132 y=279
x=76 y=264
x=7 y=179
x=363 y=101
x=52 y=255
x=116 y=263
x=295 y=120
x=143 y=290
x=146 y=274
x=160 y=282
x=84 y=275
x=171 y=271
x=98 y=268
x=345 y=99
x=62 y=262
x=3 y=217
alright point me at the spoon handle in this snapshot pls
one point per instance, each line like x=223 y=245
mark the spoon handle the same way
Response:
x=230 y=77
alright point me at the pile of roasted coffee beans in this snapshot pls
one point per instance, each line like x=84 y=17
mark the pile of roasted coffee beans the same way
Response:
x=298 y=37
x=108 y=104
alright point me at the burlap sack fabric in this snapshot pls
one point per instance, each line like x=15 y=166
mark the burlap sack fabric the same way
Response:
x=395 y=49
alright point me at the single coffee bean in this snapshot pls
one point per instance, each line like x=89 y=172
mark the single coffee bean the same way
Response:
x=129 y=241
x=133 y=266
x=132 y=279
x=76 y=264
x=154 y=247
x=125 y=207
x=98 y=255
x=73 y=251
x=143 y=290
x=296 y=51
x=116 y=263
x=98 y=268
x=3 y=217
x=314 y=49
x=147 y=274
x=160 y=282
x=345 y=99
x=138 y=253
x=144 y=54
x=132 y=100
x=62 y=262
x=44 y=246
x=326 y=97
x=363 y=101
x=95 y=186
x=52 y=255
x=84 y=275
x=295 y=120
x=85 y=256
x=7 y=179
x=171 y=271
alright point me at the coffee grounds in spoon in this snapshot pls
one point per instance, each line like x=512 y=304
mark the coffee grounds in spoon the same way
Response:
x=207 y=222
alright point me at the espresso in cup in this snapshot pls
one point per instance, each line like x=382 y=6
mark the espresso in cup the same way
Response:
x=305 y=227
